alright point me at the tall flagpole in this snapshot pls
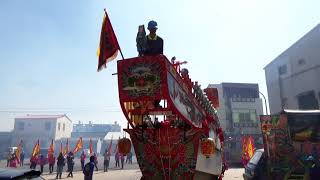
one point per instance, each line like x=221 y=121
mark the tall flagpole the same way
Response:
x=114 y=33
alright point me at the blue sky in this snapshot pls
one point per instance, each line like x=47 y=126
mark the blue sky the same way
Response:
x=48 y=48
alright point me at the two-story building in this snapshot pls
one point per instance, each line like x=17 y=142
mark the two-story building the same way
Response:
x=30 y=128
x=239 y=110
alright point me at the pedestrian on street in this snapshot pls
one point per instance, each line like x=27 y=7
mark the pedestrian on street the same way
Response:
x=51 y=161
x=96 y=161
x=60 y=164
x=9 y=156
x=122 y=160
x=70 y=163
x=13 y=161
x=106 y=161
x=89 y=168
x=33 y=162
x=21 y=158
x=129 y=158
x=116 y=156
x=82 y=159
x=41 y=162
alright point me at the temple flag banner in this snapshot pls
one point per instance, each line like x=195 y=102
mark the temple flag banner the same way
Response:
x=61 y=147
x=78 y=146
x=250 y=146
x=90 y=147
x=36 y=149
x=67 y=147
x=109 y=47
x=51 y=148
x=110 y=146
x=18 y=151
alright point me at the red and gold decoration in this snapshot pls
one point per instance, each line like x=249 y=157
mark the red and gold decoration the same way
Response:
x=207 y=147
x=124 y=146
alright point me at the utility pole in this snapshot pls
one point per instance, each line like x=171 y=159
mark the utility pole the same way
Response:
x=265 y=102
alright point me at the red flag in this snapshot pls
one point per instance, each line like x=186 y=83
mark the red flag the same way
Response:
x=108 y=49
x=110 y=146
x=250 y=146
x=18 y=151
x=51 y=148
x=36 y=149
x=244 y=144
x=90 y=147
x=79 y=145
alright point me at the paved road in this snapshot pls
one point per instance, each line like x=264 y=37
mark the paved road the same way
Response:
x=135 y=174
x=130 y=172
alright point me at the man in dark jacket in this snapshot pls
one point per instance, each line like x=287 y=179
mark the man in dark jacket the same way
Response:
x=60 y=164
x=21 y=158
x=154 y=44
x=88 y=169
x=70 y=164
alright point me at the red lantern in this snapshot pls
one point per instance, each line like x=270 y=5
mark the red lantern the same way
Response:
x=207 y=147
x=124 y=146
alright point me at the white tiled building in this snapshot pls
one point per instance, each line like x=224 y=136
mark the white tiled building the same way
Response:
x=30 y=128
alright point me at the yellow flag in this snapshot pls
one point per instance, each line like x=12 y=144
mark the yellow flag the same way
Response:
x=79 y=145
x=36 y=149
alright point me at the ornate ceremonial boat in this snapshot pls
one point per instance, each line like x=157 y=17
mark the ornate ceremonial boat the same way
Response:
x=172 y=123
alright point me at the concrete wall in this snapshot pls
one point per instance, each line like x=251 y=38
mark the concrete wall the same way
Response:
x=65 y=128
x=303 y=71
x=221 y=109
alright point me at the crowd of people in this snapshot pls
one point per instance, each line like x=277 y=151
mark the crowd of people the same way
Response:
x=68 y=160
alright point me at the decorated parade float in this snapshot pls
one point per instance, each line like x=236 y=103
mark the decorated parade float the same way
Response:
x=292 y=144
x=172 y=123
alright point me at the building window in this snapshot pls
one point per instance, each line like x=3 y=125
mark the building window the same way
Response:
x=308 y=100
x=284 y=102
x=235 y=116
x=64 y=127
x=239 y=99
x=59 y=124
x=282 y=69
x=301 y=61
x=20 y=126
x=244 y=115
x=47 y=126
x=253 y=115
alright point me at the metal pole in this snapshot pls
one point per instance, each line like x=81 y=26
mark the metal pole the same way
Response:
x=265 y=102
